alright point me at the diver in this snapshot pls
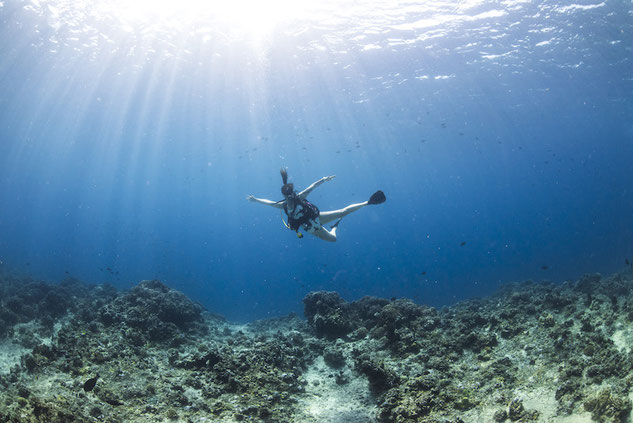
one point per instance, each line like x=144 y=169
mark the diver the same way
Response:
x=304 y=215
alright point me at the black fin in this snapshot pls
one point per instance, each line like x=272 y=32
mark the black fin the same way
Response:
x=377 y=198
x=336 y=224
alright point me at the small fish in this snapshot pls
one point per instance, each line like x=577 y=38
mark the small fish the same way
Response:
x=90 y=383
x=544 y=267
x=423 y=273
x=461 y=244
x=626 y=260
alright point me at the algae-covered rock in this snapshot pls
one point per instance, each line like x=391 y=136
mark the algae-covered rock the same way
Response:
x=24 y=300
x=416 y=399
x=405 y=325
x=516 y=410
x=154 y=309
x=380 y=377
x=500 y=416
x=607 y=406
x=333 y=356
x=327 y=313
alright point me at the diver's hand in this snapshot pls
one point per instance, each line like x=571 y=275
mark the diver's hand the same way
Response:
x=251 y=198
x=328 y=178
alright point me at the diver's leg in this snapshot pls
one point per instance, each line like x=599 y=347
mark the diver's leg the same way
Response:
x=329 y=216
x=325 y=235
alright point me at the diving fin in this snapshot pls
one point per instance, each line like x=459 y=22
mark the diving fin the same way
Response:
x=336 y=224
x=377 y=198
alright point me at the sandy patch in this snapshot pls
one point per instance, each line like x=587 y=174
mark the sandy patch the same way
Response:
x=10 y=354
x=326 y=400
x=623 y=338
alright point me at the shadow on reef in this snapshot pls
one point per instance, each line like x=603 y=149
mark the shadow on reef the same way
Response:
x=532 y=352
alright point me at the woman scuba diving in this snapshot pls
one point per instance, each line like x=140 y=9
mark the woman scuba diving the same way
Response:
x=304 y=215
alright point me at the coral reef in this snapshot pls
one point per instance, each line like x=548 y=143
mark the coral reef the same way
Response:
x=470 y=361
x=152 y=311
x=533 y=352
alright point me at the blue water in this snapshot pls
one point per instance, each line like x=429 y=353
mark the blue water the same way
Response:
x=500 y=131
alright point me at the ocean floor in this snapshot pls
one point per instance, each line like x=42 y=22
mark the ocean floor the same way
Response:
x=533 y=352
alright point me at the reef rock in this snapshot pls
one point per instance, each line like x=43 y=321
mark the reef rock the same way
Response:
x=328 y=313
x=154 y=309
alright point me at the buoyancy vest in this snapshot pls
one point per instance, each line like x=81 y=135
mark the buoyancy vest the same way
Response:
x=303 y=214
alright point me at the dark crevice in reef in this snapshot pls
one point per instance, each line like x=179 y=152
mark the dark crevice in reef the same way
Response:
x=531 y=352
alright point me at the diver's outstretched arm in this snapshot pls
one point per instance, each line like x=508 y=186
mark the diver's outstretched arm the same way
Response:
x=276 y=204
x=308 y=190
